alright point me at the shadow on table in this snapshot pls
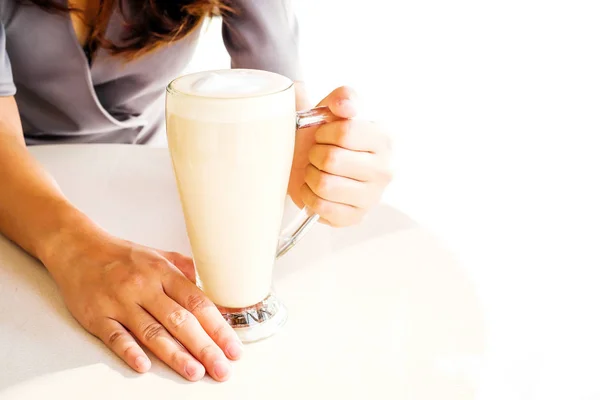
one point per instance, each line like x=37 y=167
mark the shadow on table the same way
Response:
x=424 y=311
x=324 y=240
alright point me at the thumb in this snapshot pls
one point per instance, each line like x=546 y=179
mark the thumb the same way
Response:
x=343 y=102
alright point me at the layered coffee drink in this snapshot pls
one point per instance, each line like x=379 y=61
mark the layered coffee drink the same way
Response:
x=231 y=139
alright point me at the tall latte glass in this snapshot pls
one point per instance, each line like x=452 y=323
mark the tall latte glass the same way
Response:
x=231 y=140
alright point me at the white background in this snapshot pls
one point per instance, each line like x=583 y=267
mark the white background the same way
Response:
x=494 y=108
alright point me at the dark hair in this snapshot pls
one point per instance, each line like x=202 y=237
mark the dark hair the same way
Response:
x=151 y=23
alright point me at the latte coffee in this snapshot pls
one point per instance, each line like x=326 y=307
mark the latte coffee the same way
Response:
x=231 y=140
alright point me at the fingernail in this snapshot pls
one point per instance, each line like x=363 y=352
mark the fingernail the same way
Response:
x=222 y=369
x=192 y=370
x=234 y=350
x=347 y=104
x=142 y=363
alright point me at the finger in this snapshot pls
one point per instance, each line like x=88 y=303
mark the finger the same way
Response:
x=343 y=102
x=354 y=135
x=341 y=190
x=337 y=215
x=209 y=316
x=183 y=263
x=326 y=222
x=154 y=336
x=116 y=338
x=358 y=165
x=184 y=326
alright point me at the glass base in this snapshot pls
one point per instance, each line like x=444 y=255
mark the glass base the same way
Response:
x=256 y=322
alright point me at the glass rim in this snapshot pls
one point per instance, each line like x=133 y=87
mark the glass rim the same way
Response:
x=172 y=91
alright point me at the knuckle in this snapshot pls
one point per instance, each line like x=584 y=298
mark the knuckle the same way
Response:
x=178 y=317
x=323 y=185
x=174 y=254
x=206 y=351
x=151 y=331
x=220 y=331
x=114 y=337
x=87 y=316
x=197 y=303
x=156 y=264
x=130 y=351
x=134 y=281
x=308 y=197
x=330 y=159
x=171 y=256
x=178 y=357
x=314 y=156
x=310 y=173
x=178 y=258
x=322 y=207
x=344 y=133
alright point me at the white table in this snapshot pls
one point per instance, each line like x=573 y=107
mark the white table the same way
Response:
x=378 y=311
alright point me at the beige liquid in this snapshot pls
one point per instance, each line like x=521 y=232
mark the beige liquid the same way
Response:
x=232 y=160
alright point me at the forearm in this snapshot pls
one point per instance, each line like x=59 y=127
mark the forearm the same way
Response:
x=33 y=211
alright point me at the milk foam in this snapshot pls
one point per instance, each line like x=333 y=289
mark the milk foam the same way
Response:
x=233 y=95
x=231 y=83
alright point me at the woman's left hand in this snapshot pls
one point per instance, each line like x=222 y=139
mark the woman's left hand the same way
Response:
x=341 y=168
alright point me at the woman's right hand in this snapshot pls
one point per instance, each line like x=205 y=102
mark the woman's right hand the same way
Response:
x=118 y=290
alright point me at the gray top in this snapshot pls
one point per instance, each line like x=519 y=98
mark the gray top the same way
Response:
x=62 y=99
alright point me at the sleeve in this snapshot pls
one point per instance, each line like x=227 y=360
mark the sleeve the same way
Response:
x=263 y=34
x=7 y=87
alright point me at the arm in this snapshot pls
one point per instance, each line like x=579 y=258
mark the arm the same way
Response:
x=33 y=211
x=32 y=208
x=93 y=268
x=114 y=288
x=265 y=36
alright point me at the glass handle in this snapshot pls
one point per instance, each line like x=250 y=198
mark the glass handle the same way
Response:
x=306 y=218
x=314 y=117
